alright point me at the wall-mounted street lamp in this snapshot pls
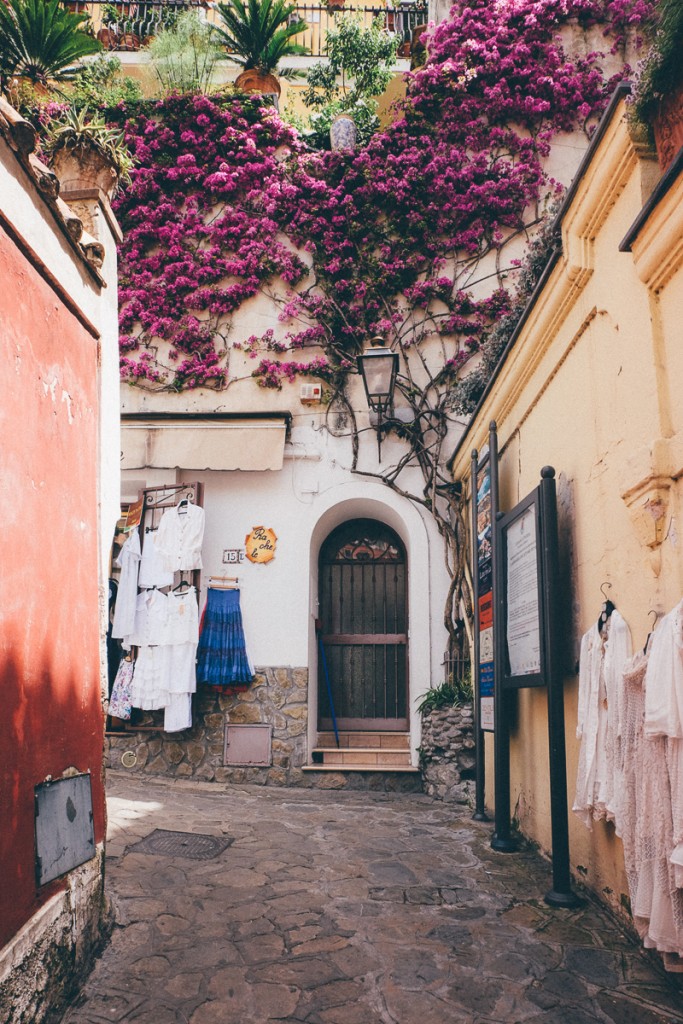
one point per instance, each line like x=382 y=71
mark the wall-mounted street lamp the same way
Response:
x=378 y=367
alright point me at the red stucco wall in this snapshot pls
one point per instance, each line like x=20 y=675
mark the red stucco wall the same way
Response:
x=50 y=714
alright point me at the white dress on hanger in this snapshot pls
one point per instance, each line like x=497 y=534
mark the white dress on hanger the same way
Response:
x=152 y=572
x=601 y=667
x=126 y=596
x=180 y=536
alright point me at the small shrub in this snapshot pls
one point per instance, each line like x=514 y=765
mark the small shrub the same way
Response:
x=453 y=693
x=185 y=55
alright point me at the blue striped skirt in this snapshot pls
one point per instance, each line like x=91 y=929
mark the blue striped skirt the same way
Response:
x=222 y=655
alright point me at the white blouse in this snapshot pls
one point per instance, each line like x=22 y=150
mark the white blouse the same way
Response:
x=179 y=538
x=126 y=597
x=152 y=572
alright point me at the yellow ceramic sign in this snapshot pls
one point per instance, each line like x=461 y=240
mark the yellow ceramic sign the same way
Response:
x=260 y=544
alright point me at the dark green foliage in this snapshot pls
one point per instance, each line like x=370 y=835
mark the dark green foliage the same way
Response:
x=260 y=33
x=40 y=41
x=100 y=83
x=451 y=694
x=662 y=70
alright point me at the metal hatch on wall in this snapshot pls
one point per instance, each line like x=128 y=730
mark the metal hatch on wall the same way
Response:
x=364 y=632
x=203 y=441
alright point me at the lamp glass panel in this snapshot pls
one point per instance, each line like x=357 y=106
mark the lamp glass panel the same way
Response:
x=378 y=372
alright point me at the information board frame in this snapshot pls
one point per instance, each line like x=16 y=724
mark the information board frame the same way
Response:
x=510 y=680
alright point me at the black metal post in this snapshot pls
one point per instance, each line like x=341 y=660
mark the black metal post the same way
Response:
x=479 y=751
x=561 y=894
x=501 y=840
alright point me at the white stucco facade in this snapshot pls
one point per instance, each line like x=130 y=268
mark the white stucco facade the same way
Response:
x=313 y=493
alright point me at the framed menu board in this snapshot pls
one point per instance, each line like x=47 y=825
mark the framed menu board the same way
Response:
x=520 y=601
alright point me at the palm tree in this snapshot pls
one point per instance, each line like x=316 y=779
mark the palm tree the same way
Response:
x=40 y=41
x=259 y=35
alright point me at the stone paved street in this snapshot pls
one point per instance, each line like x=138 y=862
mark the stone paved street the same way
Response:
x=347 y=908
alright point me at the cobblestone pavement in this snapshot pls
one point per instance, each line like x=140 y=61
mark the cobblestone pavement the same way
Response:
x=347 y=908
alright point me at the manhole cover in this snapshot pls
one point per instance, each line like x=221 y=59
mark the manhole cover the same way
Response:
x=181 y=844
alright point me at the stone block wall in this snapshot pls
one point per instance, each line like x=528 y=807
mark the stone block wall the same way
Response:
x=447 y=754
x=42 y=967
x=277 y=697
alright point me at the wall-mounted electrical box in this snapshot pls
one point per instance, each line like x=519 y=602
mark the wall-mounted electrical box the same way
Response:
x=309 y=394
x=64 y=826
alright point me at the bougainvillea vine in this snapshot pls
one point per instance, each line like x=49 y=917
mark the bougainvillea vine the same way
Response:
x=415 y=237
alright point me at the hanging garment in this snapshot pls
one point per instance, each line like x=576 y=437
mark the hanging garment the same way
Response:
x=664 y=732
x=149 y=689
x=152 y=572
x=664 y=718
x=222 y=656
x=664 y=700
x=178 y=713
x=182 y=622
x=119 y=702
x=658 y=904
x=126 y=598
x=631 y=765
x=180 y=536
x=602 y=662
x=151 y=620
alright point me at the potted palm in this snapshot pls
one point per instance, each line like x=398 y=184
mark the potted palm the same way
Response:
x=87 y=153
x=40 y=42
x=658 y=94
x=258 y=35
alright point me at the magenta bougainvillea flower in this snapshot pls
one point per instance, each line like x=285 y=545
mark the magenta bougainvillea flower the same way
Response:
x=226 y=199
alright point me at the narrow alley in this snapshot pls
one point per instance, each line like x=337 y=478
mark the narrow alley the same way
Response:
x=344 y=908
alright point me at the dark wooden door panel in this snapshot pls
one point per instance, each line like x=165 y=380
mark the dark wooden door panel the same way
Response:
x=364 y=627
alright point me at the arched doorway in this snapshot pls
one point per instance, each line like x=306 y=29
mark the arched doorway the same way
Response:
x=364 y=628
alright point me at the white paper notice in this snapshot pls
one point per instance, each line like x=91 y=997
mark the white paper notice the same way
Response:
x=523 y=620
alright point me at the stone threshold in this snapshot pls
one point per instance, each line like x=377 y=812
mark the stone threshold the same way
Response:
x=377 y=768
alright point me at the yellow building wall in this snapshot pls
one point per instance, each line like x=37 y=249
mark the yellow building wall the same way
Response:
x=591 y=387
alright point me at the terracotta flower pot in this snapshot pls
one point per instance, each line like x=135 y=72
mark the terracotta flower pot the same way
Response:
x=667 y=126
x=84 y=168
x=418 y=53
x=254 y=81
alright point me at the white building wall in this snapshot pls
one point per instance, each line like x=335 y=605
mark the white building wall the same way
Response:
x=303 y=503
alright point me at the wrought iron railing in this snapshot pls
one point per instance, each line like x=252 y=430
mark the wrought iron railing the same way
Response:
x=130 y=24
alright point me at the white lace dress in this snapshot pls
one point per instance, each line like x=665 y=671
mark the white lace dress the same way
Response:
x=658 y=907
x=601 y=667
x=126 y=595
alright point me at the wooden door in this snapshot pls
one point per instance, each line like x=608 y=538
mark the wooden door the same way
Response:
x=363 y=628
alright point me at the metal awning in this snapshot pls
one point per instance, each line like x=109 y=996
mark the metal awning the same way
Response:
x=203 y=442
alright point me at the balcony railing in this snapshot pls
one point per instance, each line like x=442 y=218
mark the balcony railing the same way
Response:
x=132 y=23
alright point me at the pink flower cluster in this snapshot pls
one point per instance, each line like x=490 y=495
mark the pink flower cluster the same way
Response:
x=213 y=214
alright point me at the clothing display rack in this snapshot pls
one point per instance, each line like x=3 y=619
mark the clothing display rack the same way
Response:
x=224 y=582
x=155 y=501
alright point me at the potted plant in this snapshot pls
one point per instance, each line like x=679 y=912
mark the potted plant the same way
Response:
x=86 y=153
x=258 y=35
x=40 y=42
x=658 y=93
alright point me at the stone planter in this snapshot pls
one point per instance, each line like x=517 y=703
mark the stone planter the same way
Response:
x=667 y=126
x=447 y=754
x=84 y=168
x=343 y=132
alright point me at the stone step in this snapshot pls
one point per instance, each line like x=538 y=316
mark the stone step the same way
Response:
x=343 y=769
x=368 y=756
x=365 y=740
